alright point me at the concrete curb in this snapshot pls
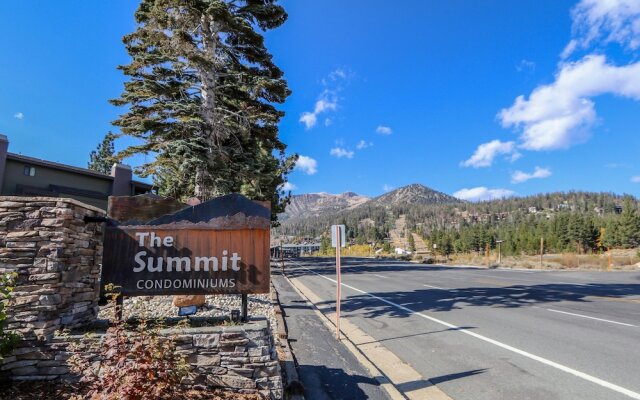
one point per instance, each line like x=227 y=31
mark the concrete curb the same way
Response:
x=288 y=363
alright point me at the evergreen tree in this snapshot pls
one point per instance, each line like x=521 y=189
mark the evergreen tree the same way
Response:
x=411 y=242
x=103 y=157
x=200 y=97
x=629 y=225
x=325 y=245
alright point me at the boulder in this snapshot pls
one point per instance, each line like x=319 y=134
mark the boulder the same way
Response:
x=189 y=300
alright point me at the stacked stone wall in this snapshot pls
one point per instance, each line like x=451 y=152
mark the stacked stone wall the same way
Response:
x=57 y=257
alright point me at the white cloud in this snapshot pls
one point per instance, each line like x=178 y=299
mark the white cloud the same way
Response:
x=387 y=187
x=482 y=193
x=18 y=115
x=604 y=22
x=328 y=102
x=308 y=119
x=635 y=179
x=569 y=49
x=526 y=65
x=560 y=114
x=287 y=187
x=362 y=144
x=339 y=152
x=328 y=99
x=338 y=76
x=617 y=165
x=384 y=130
x=538 y=173
x=487 y=152
x=307 y=165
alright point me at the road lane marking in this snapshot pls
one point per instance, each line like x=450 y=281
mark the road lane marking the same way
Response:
x=433 y=287
x=586 y=316
x=569 y=283
x=380 y=276
x=569 y=370
x=516 y=270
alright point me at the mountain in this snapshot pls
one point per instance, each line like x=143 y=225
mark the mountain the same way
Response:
x=315 y=204
x=411 y=195
x=424 y=211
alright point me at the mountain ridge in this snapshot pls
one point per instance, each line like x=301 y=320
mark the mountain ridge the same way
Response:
x=322 y=203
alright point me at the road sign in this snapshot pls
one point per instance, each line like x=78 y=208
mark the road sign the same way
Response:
x=334 y=240
x=218 y=247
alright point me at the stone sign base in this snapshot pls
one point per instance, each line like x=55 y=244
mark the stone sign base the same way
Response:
x=240 y=358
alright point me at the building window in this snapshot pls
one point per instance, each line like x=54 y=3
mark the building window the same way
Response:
x=29 y=170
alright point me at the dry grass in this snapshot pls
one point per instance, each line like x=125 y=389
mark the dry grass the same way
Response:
x=625 y=260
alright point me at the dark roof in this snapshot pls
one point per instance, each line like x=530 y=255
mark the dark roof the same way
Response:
x=67 y=168
x=230 y=204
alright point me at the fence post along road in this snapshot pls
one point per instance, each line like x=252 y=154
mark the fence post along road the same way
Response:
x=159 y=246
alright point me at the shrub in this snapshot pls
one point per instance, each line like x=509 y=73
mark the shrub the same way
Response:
x=8 y=339
x=134 y=364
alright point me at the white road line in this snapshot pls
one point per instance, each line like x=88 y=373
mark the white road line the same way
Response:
x=516 y=270
x=579 y=374
x=380 y=276
x=586 y=316
x=434 y=287
x=576 y=284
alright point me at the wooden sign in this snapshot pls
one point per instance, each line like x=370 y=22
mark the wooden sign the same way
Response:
x=217 y=247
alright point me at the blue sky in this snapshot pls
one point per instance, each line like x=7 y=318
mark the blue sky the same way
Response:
x=385 y=93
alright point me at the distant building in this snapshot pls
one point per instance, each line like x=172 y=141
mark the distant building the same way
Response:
x=27 y=176
x=533 y=210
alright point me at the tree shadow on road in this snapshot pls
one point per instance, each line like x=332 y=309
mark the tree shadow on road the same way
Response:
x=421 y=384
x=503 y=297
x=353 y=265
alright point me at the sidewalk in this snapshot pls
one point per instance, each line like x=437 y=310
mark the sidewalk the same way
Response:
x=327 y=369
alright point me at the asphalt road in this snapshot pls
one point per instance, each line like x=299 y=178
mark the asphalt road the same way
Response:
x=495 y=334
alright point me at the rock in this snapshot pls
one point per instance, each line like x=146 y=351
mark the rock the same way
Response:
x=204 y=360
x=189 y=300
x=232 y=381
x=207 y=341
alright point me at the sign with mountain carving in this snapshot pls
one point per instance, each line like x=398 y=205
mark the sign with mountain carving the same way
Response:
x=157 y=246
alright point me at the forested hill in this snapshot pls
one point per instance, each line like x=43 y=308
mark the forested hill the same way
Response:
x=589 y=213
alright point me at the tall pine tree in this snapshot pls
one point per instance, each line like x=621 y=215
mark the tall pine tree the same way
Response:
x=103 y=157
x=200 y=96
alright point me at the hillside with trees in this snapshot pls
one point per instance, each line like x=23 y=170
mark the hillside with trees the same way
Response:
x=579 y=222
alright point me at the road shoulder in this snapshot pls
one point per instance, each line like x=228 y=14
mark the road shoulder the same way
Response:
x=327 y=369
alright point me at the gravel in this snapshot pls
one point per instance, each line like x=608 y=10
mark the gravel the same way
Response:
x=216 y=306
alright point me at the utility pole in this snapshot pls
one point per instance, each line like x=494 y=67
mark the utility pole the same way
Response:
x=499 y=251
x=541 y=250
